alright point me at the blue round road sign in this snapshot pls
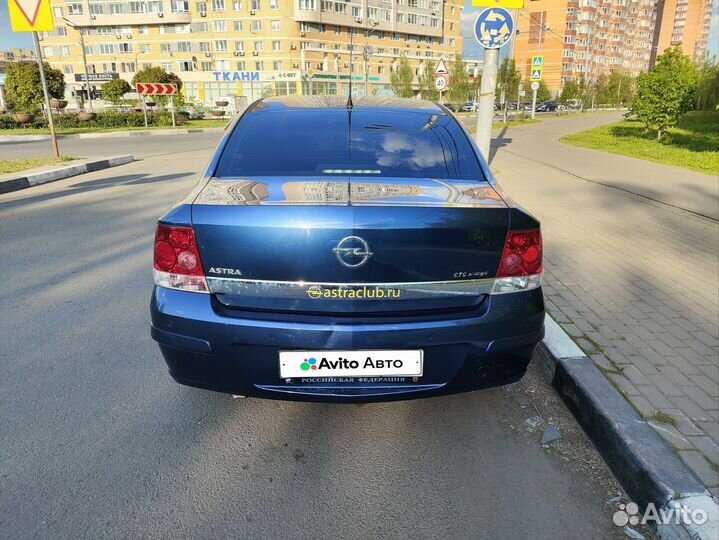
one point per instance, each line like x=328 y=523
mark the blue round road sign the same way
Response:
x=493 y=28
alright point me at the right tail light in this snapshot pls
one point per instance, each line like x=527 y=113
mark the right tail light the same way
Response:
x=521 y=265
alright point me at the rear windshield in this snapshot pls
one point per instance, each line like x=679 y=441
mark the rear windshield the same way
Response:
x=336 y=142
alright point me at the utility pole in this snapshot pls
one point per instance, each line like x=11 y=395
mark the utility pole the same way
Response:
x=84 y=61
x=485 y=110
x=539 y=53
x=43 y=80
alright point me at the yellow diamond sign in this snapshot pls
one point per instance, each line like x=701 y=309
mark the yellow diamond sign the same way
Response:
x=506 y=4
x=30 y=15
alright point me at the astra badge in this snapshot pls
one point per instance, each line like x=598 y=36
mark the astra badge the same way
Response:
x=352 y=252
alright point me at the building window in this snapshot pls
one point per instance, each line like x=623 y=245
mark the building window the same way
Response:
x=218 y=5
x=57 y=11
x=237 y=5
x=64 y=51
x=186 y=65
x=255 y=5
x=221 y=45
x=240 y=46
x=257 y=26
x=206 y=66
x=258 y=46
x=67 y=69
x=219 y=26
x=275 y=26
x=241 y=66
x=74 y=9
x=180 y=6
x=259 y=66
x=238 y=26
x=277 y=66
x=222 y=65
x=167 y=67
x=308 y=5
x=276 y=46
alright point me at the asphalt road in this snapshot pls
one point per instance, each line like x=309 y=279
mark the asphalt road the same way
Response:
x=96 y=440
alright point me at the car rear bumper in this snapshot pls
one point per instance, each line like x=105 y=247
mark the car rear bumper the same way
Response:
x=240 y=354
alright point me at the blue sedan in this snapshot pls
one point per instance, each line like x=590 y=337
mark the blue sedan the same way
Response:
x=347 y=250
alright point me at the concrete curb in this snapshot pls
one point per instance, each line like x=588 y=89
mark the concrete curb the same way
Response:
x=109 y=134
x=638 y=456
x=33 y=179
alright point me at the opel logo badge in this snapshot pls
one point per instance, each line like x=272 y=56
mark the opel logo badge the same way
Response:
x=352 y=252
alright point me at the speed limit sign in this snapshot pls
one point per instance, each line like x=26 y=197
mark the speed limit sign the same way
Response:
x=440 y=83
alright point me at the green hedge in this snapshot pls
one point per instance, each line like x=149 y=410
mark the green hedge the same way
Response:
x=103 y=120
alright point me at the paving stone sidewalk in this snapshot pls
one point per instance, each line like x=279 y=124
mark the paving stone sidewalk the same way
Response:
x=634 y=282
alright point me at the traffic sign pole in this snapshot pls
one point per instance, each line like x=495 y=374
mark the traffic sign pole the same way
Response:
x=144 y=108
x=485 y=110
x=493 y=28
x=539 y=52
x=43 y=80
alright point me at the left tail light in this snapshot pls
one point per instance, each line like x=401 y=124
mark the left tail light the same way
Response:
x=177 y=260
x=521 y=265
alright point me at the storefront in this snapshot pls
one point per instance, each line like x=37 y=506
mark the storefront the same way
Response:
x=207 y=87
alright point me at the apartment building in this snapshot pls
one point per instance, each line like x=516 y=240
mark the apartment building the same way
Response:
x=585 y=38
x=17 y=55
x=685 y=23
x=252 y=48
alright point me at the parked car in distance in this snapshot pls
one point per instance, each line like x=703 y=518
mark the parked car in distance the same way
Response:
x=450 y=107
x=547 y=106
x=470 y=106
x=362 y=252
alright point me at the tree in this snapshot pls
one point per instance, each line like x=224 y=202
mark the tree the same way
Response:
x=23 y=86
x=401 y=78
x=617 y=88
x=508 y=81
x=543 y=93
x=570 y=92
x=459 y=85
x=708 y=87
x=426 y=85
x=666 y=92
x=113 y=91
x=159 y=75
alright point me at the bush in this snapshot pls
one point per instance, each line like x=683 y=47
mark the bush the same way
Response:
x=104 y=120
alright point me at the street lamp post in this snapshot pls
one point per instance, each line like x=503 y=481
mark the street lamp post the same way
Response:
x=367 y=32
x=84 y=61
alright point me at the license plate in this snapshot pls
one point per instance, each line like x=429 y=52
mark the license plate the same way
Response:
x=294 y=364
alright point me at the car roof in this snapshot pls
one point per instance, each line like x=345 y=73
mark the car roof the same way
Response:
x=281 y=103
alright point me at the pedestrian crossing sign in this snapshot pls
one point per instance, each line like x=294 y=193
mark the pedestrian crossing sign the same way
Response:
x=536 y=75
x=537 y=62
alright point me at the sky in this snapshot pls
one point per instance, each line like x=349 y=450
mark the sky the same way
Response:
x=471 y=48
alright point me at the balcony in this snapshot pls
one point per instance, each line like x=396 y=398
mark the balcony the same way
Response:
x=102 y=16
x=344 y=19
